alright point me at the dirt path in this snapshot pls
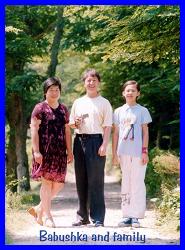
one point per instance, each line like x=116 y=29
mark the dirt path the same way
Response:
x=24 y=231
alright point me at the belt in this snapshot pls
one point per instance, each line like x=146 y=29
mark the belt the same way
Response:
x=89 y=135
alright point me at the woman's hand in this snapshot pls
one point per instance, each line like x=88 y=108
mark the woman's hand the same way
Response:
x=115 y=160
x=144 y=158
x=38 y=157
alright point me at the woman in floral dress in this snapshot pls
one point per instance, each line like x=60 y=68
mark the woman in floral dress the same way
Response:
x=51 y=148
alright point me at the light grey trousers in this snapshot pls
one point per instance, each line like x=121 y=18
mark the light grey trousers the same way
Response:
x=133 y=190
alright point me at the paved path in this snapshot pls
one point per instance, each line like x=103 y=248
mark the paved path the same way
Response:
x=24 y=231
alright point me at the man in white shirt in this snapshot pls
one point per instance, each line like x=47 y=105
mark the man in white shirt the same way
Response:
x=91 y=117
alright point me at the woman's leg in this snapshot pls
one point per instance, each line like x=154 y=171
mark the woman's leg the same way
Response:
x=48 y=191
x=56 y=188
x=45 y=196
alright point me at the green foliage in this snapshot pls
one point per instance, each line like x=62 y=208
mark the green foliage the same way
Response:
x=13 y=200
x=33 y=22
x=165 y=171
x=135 y=42
x=169 y=205
x=162 y=172
x=16 y=200
x=8 y=239
x=139 y=30
x=153 y=179
x=167 y=165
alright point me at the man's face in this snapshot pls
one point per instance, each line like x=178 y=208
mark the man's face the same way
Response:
x=91 y=84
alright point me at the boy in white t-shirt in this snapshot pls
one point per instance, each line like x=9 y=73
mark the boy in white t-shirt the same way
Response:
x=130 y=148
x=91 y=117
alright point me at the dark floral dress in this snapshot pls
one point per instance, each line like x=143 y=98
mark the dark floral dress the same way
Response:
x=52 y=142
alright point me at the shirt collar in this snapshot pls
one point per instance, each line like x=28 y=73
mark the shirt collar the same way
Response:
x=126 y=106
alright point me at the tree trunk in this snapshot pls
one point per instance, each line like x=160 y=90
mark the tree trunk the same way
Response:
x=11 y=160
x=56 y=42
x=20 y=139
x=17 y=160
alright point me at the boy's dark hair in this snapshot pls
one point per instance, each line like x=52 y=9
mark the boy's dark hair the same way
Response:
x=51 y=81
x=91 y=72
x=131 y=82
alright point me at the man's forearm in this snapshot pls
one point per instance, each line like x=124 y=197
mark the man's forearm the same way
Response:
x=106 y=136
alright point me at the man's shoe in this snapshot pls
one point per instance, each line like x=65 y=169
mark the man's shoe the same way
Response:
x=80 y=223
x=98 y=224
x=135 y=222
x=127 y=222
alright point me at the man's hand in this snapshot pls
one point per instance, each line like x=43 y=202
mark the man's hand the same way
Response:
x=102 y=150
x=78 y=121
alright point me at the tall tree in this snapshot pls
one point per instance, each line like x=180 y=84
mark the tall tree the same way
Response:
x=25 y=30
x=60 y=23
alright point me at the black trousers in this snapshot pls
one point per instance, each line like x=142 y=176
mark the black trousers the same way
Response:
x=89 y=172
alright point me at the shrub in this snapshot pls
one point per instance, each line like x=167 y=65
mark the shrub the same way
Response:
x=167 y=165
x=153 y=179
x=169 y=205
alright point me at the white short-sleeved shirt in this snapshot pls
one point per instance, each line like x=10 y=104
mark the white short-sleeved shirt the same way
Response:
x=127 y=117
x=97 y=111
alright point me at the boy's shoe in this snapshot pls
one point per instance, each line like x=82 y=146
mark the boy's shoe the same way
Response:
x=135 y=222
x=127 y=222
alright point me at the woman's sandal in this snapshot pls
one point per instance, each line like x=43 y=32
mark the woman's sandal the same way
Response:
x=34 y=212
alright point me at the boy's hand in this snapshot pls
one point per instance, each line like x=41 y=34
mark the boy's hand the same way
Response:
x=144 y=158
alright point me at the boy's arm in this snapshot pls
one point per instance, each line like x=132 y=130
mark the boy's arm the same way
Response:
x=115 y=137
x=145 y=135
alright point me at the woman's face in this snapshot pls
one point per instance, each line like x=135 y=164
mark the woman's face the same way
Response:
x=131 y=93
x=53 y=93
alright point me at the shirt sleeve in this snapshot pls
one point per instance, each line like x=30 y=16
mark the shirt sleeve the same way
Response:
x=107 y=115
x=72 y=114
x=116 y=116
x=146 y=117
x=37 y=112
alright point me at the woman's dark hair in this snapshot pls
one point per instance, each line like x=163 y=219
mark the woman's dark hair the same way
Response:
x=91 y=72
x=51 y=81
x=131 y=82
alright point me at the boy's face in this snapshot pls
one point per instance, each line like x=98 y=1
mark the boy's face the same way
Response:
x=131 y=93
x=91 y=84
